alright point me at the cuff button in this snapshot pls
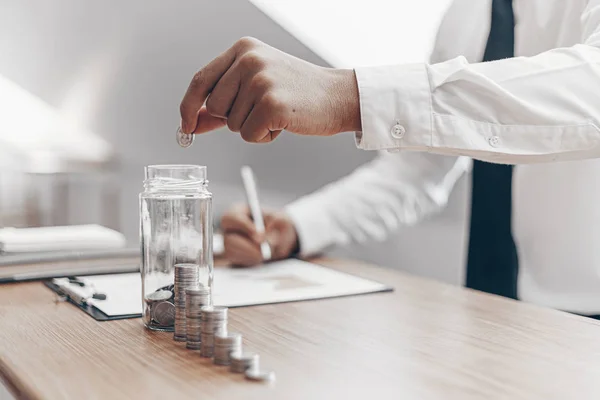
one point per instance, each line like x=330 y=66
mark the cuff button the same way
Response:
x=494 y=141
x=398 y=131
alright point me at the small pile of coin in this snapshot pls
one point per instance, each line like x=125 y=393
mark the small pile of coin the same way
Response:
x=214 y=320
x=162 y=310
x=241 y=362
x=225 y=344
x=195 y=298
x=186 y=275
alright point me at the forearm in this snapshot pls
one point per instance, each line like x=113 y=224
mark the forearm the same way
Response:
x=392 y=191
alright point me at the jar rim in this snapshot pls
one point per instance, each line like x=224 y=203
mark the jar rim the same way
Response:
x=176 y=166
x=175 y=176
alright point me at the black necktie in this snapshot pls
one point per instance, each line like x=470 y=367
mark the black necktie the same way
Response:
x=492 y=264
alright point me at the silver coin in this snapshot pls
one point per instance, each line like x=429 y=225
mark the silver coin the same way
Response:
x=206 y=352
x=228 y=339
x=260 y=375
x=207 y=340
x=184 y=139
x=193 y=345
x=214 y=313
x=197 y=291
x=159 y=295
x=241 y=367
x=211 y=330
x=215 y=309
x=186 y=270
x=244 y=358
x=164 y=313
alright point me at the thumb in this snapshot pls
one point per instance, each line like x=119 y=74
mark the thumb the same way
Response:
x=274 y=240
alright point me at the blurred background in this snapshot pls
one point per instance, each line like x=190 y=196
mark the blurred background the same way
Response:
x=89 y=95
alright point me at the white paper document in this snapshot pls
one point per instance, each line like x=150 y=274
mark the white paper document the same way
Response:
x=277 y=282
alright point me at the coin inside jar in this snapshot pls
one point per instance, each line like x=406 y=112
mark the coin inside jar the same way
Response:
x=164 y=313
x=159 y=295
x=184 y=139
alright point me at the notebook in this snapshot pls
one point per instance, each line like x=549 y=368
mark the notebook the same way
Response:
x=60 y=238
x=18 y=267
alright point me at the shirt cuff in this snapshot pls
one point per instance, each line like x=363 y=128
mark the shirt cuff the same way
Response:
x=313 y=226
x=395 y=107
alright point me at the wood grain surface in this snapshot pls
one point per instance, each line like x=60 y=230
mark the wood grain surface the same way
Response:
x=426 y=340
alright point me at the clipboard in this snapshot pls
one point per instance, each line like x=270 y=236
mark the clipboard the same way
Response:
x=110 y=297
x=84 y=306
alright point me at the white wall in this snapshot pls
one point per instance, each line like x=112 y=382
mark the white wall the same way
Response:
x=121 y=67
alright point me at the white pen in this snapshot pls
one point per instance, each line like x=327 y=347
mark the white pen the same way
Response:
x=252 y=198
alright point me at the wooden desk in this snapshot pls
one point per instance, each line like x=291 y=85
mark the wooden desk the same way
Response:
x=424 y=341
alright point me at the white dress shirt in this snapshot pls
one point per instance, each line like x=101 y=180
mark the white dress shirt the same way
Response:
x=543 y=105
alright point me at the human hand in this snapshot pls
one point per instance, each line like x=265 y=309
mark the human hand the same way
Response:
x=258 y=91
x=242 y=241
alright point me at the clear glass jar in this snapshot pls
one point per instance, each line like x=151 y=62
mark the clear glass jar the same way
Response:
x=175 y=227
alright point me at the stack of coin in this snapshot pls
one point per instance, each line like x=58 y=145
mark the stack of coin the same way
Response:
x=214 y=320
x=195 y=298
x=225 y=344
x=241 y=362
x=186 y=275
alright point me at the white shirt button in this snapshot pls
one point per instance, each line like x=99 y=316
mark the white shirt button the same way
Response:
x=494 y=141
x=398 y=131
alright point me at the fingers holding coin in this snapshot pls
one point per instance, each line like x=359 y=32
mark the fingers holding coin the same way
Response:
x=184 y=139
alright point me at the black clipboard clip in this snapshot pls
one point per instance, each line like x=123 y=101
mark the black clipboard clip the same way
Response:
x=64 y=293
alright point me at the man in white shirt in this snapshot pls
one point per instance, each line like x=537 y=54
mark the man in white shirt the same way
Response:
x=541 y=106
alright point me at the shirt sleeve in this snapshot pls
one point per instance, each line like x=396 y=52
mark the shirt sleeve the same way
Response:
x=394 y=190
x=518 y=110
